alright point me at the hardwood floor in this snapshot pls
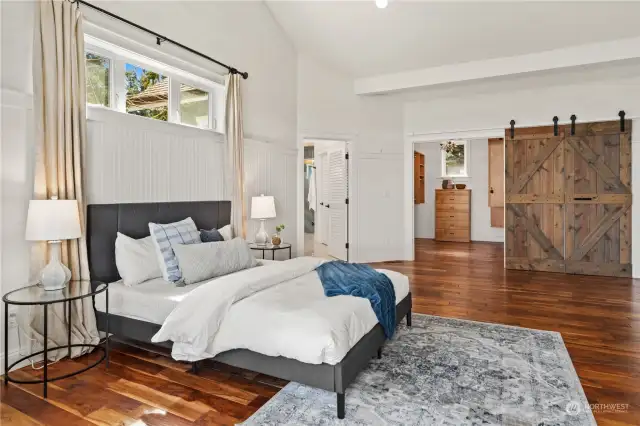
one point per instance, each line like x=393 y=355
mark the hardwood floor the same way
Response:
x=599 y=319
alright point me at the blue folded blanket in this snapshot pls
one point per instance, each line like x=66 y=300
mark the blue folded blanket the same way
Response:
x=354 y=279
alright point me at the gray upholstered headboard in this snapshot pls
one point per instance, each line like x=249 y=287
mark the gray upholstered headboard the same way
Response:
x=104 y=221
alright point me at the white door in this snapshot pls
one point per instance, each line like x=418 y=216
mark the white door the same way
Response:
x=322 y=179
x=337 y=207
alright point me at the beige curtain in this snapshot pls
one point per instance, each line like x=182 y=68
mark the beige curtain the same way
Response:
x=61 y=135
x=235 y=155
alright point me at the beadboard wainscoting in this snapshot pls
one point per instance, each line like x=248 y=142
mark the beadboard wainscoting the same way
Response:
x=377 y=210
x=135 y=159
x=17 y=187
x=271 y=169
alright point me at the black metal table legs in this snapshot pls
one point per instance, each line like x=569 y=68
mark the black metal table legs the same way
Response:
x=106 y=339
x=6 y=343
x=45 y=355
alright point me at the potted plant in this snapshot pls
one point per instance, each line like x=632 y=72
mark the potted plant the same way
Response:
x=276 y=240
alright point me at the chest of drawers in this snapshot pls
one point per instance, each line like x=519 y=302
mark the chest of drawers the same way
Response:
x=453 y=215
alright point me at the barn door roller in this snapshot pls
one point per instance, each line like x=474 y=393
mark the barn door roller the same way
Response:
x=555 y=126
x=573 y=124
x=513 y=128
x=621 y=114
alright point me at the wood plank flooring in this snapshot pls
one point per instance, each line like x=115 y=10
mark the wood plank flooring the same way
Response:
x=599 y=319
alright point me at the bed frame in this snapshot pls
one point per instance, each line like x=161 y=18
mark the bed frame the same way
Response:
x=105 y=220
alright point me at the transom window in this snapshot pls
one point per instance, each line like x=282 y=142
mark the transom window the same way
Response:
x=136 y=85
x=454 y=159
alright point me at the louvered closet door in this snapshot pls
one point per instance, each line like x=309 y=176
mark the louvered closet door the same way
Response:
x=337 y=210
x=534 y=200
x=599 y=199
x=324 y=198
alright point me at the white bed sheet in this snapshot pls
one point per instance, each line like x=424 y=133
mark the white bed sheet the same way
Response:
x=293 y=319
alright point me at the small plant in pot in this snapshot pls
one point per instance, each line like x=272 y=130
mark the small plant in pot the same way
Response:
x=276 y=240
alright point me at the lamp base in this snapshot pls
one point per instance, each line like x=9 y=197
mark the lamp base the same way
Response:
x=262 y=237
x=55 y=275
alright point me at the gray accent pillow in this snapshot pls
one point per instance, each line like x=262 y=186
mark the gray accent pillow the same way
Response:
x=210 y=236
x=199 y=262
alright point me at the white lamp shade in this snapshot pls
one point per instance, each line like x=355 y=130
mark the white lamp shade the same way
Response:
x=50 y=220
x=263 y=207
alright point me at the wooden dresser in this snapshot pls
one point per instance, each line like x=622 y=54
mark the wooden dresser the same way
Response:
x=453 y=215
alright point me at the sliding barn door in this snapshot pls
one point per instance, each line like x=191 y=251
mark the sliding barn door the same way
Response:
x=598 y=193
x=534 y=200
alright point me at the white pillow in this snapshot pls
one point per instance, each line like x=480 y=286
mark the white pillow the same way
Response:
x=226 y=232
x=199 y=262
x=136 y=260
x=165 y=236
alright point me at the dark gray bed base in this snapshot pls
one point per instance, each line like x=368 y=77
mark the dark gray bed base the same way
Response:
x=334 y=378
x=105 y=220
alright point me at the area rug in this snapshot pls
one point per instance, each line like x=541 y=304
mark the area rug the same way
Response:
x=449 y=372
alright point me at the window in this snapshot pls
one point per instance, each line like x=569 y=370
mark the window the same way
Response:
x=147 y=93
x=98 y=75
x=454 y=159
x=131 y=83
x=194 y=106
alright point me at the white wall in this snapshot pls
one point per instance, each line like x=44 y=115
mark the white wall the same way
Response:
x=16 y=151
x=478 y=182
x=593 y=94
x=372 y=126
x=242 y=34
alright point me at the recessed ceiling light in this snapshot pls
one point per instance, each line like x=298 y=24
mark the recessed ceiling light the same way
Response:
x=382 y=3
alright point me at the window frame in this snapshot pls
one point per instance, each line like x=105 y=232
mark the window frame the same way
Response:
x=443 y=160
x=120 y=56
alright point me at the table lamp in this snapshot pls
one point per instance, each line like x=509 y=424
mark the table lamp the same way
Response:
x=53 y=221
x=263 y=208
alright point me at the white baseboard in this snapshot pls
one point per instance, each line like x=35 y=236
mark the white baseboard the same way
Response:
x=13 y=356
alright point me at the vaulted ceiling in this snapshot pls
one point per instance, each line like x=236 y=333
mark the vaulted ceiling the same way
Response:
x=362 y=40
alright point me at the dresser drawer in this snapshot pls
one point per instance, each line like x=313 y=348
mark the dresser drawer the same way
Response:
x=457 y=216
x=452 y=197
x=453 y=208
x=461 y=235
x=450 y=224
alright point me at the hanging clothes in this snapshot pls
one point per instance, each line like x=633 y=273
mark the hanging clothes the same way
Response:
x=311 y=197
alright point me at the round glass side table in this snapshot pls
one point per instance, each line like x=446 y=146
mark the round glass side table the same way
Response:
x=35 y=295
x=270 y=247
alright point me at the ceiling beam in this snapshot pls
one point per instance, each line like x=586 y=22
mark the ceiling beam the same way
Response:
x=588 y=54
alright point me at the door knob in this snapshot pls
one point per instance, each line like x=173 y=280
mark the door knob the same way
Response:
x=491 y=190
x=322 y=204
x=328 y=205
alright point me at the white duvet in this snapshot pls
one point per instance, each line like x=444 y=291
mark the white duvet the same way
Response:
x=278 y=309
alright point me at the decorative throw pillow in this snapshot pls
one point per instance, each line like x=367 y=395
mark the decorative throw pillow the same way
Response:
x=199 y=262
x=136 y=260
x=210 y=236
x=165 y=236
x=226 y=232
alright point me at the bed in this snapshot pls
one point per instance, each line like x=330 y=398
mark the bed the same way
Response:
x=137 y=313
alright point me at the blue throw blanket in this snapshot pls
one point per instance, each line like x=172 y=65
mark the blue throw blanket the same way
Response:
x=354 y=279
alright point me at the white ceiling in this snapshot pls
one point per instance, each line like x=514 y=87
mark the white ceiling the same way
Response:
x=362 y=40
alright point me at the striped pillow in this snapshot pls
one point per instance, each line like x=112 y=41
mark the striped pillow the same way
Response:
x=165 y=236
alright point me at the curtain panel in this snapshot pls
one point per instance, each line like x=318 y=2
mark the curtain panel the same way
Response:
x=61 y=135
x=234 y=188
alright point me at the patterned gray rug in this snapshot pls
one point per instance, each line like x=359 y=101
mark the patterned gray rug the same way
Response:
x=449 y=372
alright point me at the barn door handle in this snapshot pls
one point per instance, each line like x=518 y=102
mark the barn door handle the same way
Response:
x=583 y=198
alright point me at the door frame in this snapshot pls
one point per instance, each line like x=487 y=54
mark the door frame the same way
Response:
x=409 y=147
x=349 y=146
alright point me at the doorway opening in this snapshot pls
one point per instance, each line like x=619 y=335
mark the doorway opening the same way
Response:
x=326 y=202
x=457 y=191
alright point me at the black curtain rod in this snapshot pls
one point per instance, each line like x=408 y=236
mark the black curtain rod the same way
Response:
x=160 y=38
